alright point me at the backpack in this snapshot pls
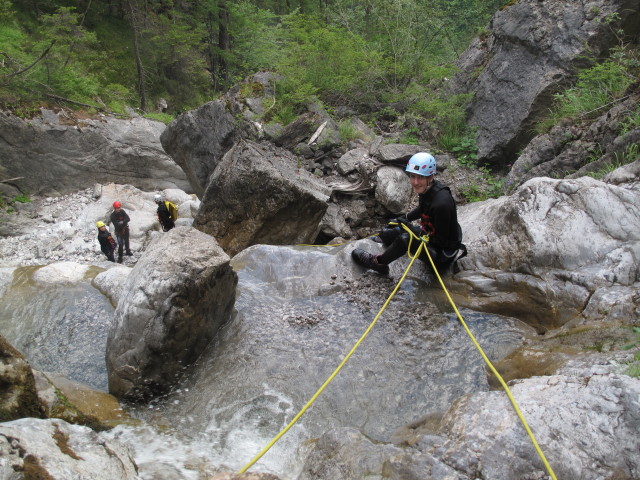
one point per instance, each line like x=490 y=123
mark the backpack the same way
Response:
x=173 y=211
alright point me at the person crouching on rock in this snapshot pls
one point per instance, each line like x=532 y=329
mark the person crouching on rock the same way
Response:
x=107 y=243
x=120 y=221
x=438 y=217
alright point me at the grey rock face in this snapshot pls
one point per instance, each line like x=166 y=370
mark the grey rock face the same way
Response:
x=392 y=189
x=177 y=296
x=56 y=449
x=566 y=413
x=257 y=195
x=584 y=420
x=567 y=148
x=350 y=161
x=300 y=130
x=18 y=398
x=550 y=246
x=531 y=54
x=399 y=153
x=198 y=139
x=69 y=158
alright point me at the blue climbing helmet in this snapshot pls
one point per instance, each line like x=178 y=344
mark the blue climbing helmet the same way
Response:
x=422 y=163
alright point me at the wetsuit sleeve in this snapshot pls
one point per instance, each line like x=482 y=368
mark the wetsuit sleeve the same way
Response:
x=413 y=214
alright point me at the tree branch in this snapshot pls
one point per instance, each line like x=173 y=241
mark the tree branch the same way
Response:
x=44 y=54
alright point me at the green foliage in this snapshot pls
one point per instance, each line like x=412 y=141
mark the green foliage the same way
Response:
x=6 y=12
x=636 y=342
x=633 y=370
x=631 y=121
x=257 y=43
x=22 y=198
x=487 y=186
x=444 y=111
x=596 y=88
x=160 y=117
x=410 y=35
x=601 y=172
x=117 y=97
x=345 y=51
x=117 y=68
x=7 y=205
x=465 y=149
x=411 y=136
x=292 y=95
x=347 y=131
x=629 y=155
x=325 y=59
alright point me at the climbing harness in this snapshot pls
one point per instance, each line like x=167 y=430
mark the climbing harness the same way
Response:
x=423 y=245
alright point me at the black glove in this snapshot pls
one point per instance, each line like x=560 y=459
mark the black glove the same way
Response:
x=417 y=231
x=402 y=220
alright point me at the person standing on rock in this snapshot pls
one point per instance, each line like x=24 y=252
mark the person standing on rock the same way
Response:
x=167 y=213
x=107 y=243
x=120 y=221
x=438 y=217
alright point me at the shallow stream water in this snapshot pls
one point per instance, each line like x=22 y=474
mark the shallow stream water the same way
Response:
x=298 y=312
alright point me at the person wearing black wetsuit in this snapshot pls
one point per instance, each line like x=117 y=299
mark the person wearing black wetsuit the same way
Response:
x=438 y=218
x=120 y=221
x=164 y=216
x=107 y=243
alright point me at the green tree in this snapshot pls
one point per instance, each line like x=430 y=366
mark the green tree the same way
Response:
x=327 y=58
x=6 y=12
x=67 y=68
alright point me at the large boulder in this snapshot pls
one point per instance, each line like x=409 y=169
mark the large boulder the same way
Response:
x=392 y=189
x=70 y=157
x=546 y=249
x=531 y=53
x=258 y=195
x=198 y=139
x=311 y=134
x=177 y=297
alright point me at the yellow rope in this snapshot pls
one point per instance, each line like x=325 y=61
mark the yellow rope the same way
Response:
x=423 y=241
x=495 y=372
x=335 y=372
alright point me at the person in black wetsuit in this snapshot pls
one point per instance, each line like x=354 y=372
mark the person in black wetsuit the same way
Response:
x=120 y=221
x=164 y=216
x=107 y=243
x=438 y=218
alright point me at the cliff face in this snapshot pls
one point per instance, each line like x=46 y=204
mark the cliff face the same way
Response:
x=533 y=51
x=55 y=154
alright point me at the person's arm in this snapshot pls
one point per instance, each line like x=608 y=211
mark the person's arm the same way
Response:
x=413 y=214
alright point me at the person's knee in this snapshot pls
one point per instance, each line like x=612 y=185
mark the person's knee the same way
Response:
x=388 y=235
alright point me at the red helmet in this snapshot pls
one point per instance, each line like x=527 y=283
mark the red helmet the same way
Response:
x=117 y=204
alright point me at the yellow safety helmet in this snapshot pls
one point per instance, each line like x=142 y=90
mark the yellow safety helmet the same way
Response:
x=100 y=224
